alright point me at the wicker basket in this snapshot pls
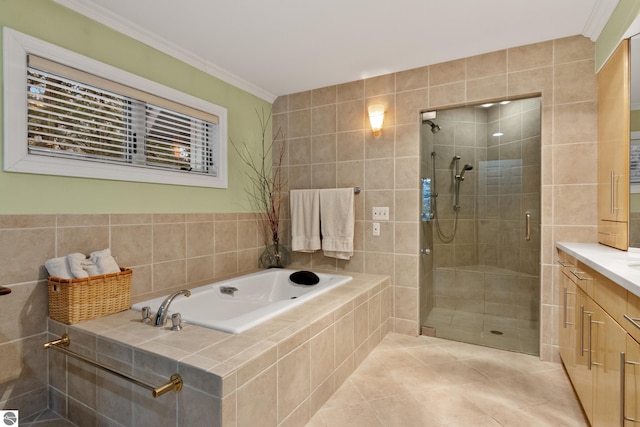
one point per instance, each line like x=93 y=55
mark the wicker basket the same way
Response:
x=75 y=300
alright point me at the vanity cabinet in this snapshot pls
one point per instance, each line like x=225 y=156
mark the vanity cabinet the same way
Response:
x=613 y=149
x=597 y=343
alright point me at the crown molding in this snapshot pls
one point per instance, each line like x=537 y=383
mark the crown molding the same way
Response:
x=600 y=14
x=128 y=28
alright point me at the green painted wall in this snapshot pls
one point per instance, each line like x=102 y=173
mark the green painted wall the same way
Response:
x=624 y=14
x=30 y=194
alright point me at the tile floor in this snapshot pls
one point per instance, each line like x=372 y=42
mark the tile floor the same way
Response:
x=46 y=418
x=516 y=334
x=431 y=382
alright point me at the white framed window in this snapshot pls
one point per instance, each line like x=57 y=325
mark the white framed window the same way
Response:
x=66 y=114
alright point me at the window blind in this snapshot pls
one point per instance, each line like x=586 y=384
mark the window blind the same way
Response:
x=74 y=114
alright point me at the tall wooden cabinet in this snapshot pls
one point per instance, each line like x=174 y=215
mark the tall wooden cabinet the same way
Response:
x=597 y=344
x=613 y=149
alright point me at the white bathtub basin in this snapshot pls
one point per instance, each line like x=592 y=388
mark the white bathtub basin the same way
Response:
x=259 y=296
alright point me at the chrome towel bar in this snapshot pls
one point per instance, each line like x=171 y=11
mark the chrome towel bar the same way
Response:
x=174 y=383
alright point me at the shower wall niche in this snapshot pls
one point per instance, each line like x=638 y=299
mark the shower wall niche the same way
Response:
x=484 y=283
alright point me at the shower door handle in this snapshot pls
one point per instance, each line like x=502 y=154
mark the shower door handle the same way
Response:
x=527 y=220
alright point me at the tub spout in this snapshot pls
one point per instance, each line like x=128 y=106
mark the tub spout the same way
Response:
x=161 y=316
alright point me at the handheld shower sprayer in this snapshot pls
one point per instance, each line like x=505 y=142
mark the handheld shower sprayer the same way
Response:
x=458 y=178
x=465 y=168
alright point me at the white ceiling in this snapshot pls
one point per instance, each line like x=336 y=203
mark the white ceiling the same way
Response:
x=272 y=48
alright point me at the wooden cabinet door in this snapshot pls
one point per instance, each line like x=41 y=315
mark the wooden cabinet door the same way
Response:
x=608 y=340
x=613 y=148
x=567 y=323
x=632 y=320
x=611 y=297
x=583 y=373
x=632 y=382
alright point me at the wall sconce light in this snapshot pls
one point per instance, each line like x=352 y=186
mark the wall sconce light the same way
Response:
x=376 y=117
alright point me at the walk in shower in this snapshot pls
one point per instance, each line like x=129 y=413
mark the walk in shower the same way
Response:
x=480 y=229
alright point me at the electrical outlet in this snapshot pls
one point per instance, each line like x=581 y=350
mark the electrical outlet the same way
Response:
x=376 y=229
x=380 y=213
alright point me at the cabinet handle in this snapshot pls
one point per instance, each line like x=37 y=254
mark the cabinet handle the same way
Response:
x=581 y=330
x=612 y=192
x=633 y=320
x=623 y=388
x=589 y=342
x=590 y=357
x=527 y=220
x=566 y=293
x=577 y=274
x=565 y=264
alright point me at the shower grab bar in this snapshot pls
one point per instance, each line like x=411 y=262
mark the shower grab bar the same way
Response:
x=527 y=218
x=174 y=383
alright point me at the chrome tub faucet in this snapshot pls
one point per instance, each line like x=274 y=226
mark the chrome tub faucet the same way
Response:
x=161 y=316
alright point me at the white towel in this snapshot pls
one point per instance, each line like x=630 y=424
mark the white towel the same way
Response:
x=90 y=267
x=57 y=267
x=337 y=222
x=75 y=265
x=104 y=261
x=305 y=220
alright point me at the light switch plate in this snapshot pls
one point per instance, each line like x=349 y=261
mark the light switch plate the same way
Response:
x=380 y=213
x=376 y=229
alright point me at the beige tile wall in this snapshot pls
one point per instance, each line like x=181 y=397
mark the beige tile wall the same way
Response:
x=165 y=251
x=329 y=145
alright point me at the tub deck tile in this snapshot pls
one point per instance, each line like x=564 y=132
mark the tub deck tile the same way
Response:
x=231 y=368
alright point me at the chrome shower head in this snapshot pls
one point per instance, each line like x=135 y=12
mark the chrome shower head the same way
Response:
x=434 y=127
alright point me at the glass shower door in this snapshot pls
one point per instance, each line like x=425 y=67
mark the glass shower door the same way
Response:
x=485 y=281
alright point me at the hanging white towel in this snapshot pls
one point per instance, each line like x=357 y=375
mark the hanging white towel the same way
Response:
x=305 y=220
x=337 y=222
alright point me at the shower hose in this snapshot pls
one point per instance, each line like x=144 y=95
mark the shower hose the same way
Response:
x=441 y=234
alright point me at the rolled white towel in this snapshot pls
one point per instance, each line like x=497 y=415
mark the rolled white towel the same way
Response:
x=90 y=267
x=57 y=267
x=104 y=261
x=75 y=261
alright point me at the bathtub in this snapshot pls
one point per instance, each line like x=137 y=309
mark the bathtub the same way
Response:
x=260 y=296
